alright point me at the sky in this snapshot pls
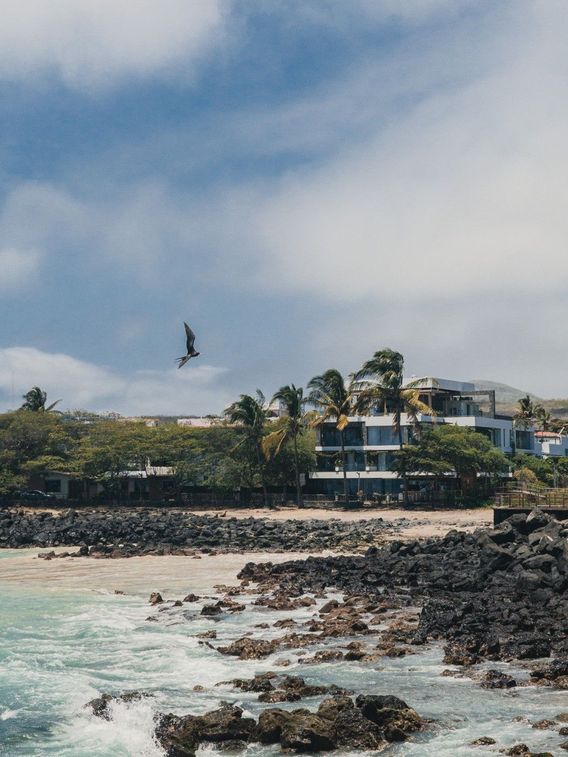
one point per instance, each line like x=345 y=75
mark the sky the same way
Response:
x=303 y=181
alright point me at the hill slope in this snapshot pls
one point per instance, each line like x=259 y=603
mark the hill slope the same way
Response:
x=504 y=393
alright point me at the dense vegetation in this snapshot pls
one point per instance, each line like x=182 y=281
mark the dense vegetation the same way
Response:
x=98 y=449
x=251 y=448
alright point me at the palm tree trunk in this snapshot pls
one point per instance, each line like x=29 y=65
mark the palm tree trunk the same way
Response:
x=261 y=472
x=345 y=492
x=299 y=500
x=403 y=463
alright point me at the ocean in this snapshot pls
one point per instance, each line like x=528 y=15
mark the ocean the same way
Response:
x=66 y=637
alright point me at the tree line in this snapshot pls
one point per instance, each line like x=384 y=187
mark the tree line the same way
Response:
x=250 y=448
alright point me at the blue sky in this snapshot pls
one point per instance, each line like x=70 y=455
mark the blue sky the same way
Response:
x=304 y=182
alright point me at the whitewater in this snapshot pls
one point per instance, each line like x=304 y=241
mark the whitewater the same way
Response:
x=66 y=637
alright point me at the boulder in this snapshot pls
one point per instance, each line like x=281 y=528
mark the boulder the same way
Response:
x=395 y=718
x=307 y=732
x=101 y=705
x=250 y=649
x=496 y=679
x=183 y=735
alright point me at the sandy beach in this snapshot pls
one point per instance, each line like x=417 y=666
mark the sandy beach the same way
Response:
x=422 y=523
x=139 y=575
x=180 y=573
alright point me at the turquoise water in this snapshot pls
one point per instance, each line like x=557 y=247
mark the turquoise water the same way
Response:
x=59 y=649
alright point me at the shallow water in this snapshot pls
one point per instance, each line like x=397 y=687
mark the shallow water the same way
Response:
x=63 y=643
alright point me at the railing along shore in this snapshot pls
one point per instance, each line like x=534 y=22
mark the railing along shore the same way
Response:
x=531 y=497
x=208 y=501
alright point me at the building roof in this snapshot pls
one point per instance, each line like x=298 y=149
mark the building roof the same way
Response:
x=198 y=422
x=434 y=382
x=149 y=471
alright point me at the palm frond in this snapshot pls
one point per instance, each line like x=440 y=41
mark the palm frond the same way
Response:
x=271 y=444
x=342 y=422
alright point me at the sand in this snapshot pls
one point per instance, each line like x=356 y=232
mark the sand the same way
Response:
x=137 y=575
x=172 y=574
x=421 y=523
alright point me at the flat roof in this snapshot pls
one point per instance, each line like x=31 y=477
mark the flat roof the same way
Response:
x=434 y=382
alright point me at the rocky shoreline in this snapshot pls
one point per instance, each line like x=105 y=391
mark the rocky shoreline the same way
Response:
x=368 y=722
x=498 y=594
x=126 y=533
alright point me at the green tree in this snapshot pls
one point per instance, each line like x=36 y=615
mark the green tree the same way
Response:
x=250 y=414
x=334 y=399
x=549 y=471
x=281 y=468
x=526 y=477
x=109 y=449
x=288 y=429
x=543 y=418
x=202 y=457
x=381 y=380
x=35 y=400
x=524 y=416
x=33 y=443
x=450 y=449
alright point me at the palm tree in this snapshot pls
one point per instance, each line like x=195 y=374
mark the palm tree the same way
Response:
x=35 y=400
x=543 y=417
x=291 y=426
x=336 y=401
x=381 y=381
x=525 y=415
x=251 y=413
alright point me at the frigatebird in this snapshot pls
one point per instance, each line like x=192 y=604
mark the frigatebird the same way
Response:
x=191 y=352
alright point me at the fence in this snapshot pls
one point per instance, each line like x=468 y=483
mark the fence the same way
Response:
x=531 y=497
x=208 y=500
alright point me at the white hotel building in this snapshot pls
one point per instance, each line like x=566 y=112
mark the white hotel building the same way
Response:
x=370 y=440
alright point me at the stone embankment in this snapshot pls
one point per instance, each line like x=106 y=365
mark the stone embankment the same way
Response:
x=123 y=533
x=494 y=594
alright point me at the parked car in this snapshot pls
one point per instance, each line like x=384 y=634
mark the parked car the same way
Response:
x=33 y=494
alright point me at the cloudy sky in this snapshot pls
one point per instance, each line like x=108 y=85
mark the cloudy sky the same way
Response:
x=304 y=181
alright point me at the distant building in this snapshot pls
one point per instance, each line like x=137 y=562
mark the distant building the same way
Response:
x=149 y=422
x=370 y=441
x=551 y=444
x=203 y=422
x=152 y=482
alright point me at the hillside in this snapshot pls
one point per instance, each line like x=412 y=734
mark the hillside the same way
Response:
x=504 y=393
x=507 y=397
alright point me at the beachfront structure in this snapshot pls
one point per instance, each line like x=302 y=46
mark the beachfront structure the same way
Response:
x=153 y=482
x=370 y=440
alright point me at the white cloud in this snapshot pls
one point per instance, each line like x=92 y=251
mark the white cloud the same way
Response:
x=501 y=337
x=81 y=384
x=465 y=193
x=134 y=230
x=17 y=268
x=93 y=42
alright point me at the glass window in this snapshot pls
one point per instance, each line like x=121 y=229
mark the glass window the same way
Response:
x=329 y=435
x=353 y=435
x=326 y=463
x=523 y=439
x=384 y=435
x=373 y=460
x=355 y=461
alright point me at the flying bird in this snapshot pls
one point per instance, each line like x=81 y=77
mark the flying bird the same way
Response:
x=191 y=352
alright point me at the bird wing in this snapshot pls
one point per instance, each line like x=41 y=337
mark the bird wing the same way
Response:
x=190 y=337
